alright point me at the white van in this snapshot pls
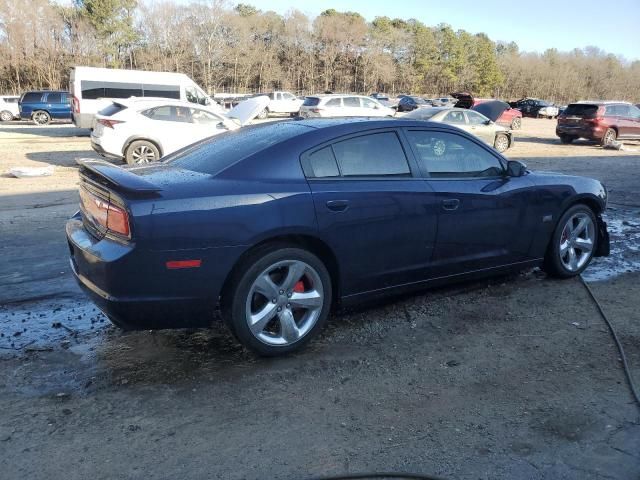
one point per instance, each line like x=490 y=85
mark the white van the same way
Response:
x=93 y=88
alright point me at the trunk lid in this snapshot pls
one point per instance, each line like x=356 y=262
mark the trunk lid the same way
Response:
x=248 y=109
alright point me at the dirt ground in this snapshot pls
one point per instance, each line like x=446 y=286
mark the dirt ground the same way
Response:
x=513 y=378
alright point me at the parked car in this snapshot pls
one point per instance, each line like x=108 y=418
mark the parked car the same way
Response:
x=275 y=223
x=145 y=130
x=411 y=102
x=534 y=107
x=9 y=108
x=475 y=123
x=282 y=102
x=343 y=105
x=603 y=122
x=385 y=100
x=94 y=88
x=42 y=106
x=510 y=117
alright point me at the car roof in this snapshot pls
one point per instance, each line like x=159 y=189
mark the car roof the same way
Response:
x=337 y=95
x=355 y=124
x=601 y=102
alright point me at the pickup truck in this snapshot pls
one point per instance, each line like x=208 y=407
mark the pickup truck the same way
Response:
x=281 y=102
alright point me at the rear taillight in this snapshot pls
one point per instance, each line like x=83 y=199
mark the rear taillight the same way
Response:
x=317 y=110
x=109 y=123
x=105 y=214
x=76 y=105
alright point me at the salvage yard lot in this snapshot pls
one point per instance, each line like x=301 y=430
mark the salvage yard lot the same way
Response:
x=511 y=378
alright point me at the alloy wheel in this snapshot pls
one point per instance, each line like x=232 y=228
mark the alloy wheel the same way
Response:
x=41 y=118
x=6 y=116
x=284 y=302
x=502 y=143
x=609 y=137
x=577 y=241
x=143 y=154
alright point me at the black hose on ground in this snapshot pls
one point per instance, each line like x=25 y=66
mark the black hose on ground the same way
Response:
x=623 y=357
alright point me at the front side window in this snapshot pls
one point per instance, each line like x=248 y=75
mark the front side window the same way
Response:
x=366 y=103
x=195 y=95
x=447 y=155
x=374 y=154
x=476 y=119
x=202 y=117
x=169 y=113
x=287 y=96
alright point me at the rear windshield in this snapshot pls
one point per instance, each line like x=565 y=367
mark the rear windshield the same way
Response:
x=311 y=101
x=112 y=109
x=422 y=113
x=581 y=110
x=221 y=151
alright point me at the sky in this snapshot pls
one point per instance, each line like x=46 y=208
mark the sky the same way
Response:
x=534 y=26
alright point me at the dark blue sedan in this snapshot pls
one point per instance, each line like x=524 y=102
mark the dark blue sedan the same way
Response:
x=276 y=223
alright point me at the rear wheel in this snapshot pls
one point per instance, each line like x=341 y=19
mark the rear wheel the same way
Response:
x=140 y=152
x=516 y=123
x=566 y=139
x=573 y=242
x=278 y=300
x=609 y=136
x=263 y=114
x=6 y=116
x=40 y=117
x=501 y=142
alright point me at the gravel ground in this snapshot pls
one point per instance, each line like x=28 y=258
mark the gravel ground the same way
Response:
x=516 y=377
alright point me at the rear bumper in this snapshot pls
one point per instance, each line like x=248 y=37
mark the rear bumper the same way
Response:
x=129 y=290
x=101 y=151
x=579 y=131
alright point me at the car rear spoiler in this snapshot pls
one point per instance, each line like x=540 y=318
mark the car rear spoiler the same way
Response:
x=116 y=178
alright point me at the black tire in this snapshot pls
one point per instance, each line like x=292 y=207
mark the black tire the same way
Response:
x=6 y=116
x=566 y=139
x=140 y=152
x=234 y=298
x=263 y=114
x=610 y=136
x=40 y=117
x=552 y=262
x=516 y=123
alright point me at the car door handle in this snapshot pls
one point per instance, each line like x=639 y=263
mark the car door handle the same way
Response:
x=338 y=205
x=450 y=204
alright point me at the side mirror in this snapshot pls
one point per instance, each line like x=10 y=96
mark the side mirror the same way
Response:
x=488 y=122
x=516 y=168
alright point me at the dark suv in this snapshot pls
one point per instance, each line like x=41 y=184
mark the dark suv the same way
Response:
x=604 y=122
x=43 y=106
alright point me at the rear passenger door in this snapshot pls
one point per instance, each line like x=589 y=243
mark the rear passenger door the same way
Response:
x=373 y=210
x=484 y=216
x=352 y=106
x=57 y=105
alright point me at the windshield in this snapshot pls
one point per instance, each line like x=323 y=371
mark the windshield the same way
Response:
x=213 y=155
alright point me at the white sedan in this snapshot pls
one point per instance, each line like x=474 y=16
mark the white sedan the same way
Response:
x=144 y=130
x=343 y=105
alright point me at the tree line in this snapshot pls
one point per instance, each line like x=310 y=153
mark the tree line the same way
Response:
x=238 y=48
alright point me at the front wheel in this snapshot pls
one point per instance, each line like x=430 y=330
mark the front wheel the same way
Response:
x=278 y=300
x=6 y=116
x=516 y=123
x=41 y=117
x=501 y=142
x=573 y=243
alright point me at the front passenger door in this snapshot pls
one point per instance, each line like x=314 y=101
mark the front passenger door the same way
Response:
x=483 y=215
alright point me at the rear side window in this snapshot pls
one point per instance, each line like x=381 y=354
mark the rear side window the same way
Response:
x=311 y=101
x=323 y=163
x=351 y=101
x=169 y=113
x=162 y=91
x=334 y=102
x=581 y=110
x=11 y=100
x=54 y=98
x=32 y=97
x=455 y=117
x=375 y=154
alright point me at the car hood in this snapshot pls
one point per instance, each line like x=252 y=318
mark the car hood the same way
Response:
x=491 y=109
x=247 y=110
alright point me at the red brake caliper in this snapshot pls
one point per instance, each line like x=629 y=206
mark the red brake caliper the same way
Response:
x=299 y=287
